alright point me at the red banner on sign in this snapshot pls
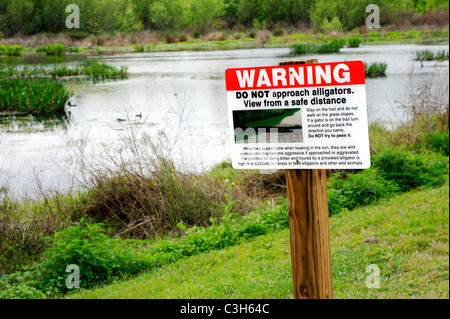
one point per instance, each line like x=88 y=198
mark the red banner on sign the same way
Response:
x=294 y=76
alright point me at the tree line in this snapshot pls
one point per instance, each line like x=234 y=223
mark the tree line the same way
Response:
x=99 y=16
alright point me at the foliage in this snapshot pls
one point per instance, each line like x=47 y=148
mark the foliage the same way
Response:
x=203 y=14
x=428 y=55
x=56 y=49
x=11 y=50
x=375 y=69
x=99 y=16
x=329 y=46
x=358 y=189
x=353 y=42
x=36 y=95
x=411 y=170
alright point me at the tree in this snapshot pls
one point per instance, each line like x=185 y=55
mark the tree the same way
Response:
x=204 y=14
x=19 y=13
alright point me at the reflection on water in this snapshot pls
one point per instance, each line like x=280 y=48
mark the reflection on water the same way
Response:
x=180 y=94
x=33 y=123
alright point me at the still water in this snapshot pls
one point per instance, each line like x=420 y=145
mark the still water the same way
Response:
x=178 y=96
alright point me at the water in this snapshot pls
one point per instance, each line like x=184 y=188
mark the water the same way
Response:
x=162 y=86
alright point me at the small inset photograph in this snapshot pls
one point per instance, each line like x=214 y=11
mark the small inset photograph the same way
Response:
x=268 y=126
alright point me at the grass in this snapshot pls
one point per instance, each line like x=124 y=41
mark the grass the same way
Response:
x=411 y=253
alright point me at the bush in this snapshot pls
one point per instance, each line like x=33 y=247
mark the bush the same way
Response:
x=411 y=170
x=358 y=189
x=98 y=257
x=436 y=142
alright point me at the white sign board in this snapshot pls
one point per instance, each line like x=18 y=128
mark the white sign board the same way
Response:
x=306 y=116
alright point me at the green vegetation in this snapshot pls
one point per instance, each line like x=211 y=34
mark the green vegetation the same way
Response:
x=331 y=46
x=92 y=69
x=43 y=96
x=11 y=50
x=100 y=16
x=221 y=199
x=410 y=246
x=28 y=89
x=375 y=69
x=428 y=55
x=354 y=42
x=56 y=49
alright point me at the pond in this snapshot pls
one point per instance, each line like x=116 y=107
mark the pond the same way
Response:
x=179 y=96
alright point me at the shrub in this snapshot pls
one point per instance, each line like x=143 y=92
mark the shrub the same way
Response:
x=411 y=170
x=358 y=189
x=98 y=257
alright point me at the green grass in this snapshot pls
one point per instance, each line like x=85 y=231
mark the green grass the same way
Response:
x=412 y=255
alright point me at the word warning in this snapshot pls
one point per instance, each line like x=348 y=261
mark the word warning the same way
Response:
x=299 y=116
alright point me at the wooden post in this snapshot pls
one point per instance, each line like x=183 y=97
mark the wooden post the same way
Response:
x=309 y=229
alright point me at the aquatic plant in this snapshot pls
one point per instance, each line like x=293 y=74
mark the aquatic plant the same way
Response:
x=331 y=46
x=375 y=69
x=428 y=55
x=36 y=95
x=11 y=50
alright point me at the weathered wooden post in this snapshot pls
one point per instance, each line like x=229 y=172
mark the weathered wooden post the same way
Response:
x=309 y=229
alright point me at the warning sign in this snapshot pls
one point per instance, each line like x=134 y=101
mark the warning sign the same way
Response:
x=299 y=116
